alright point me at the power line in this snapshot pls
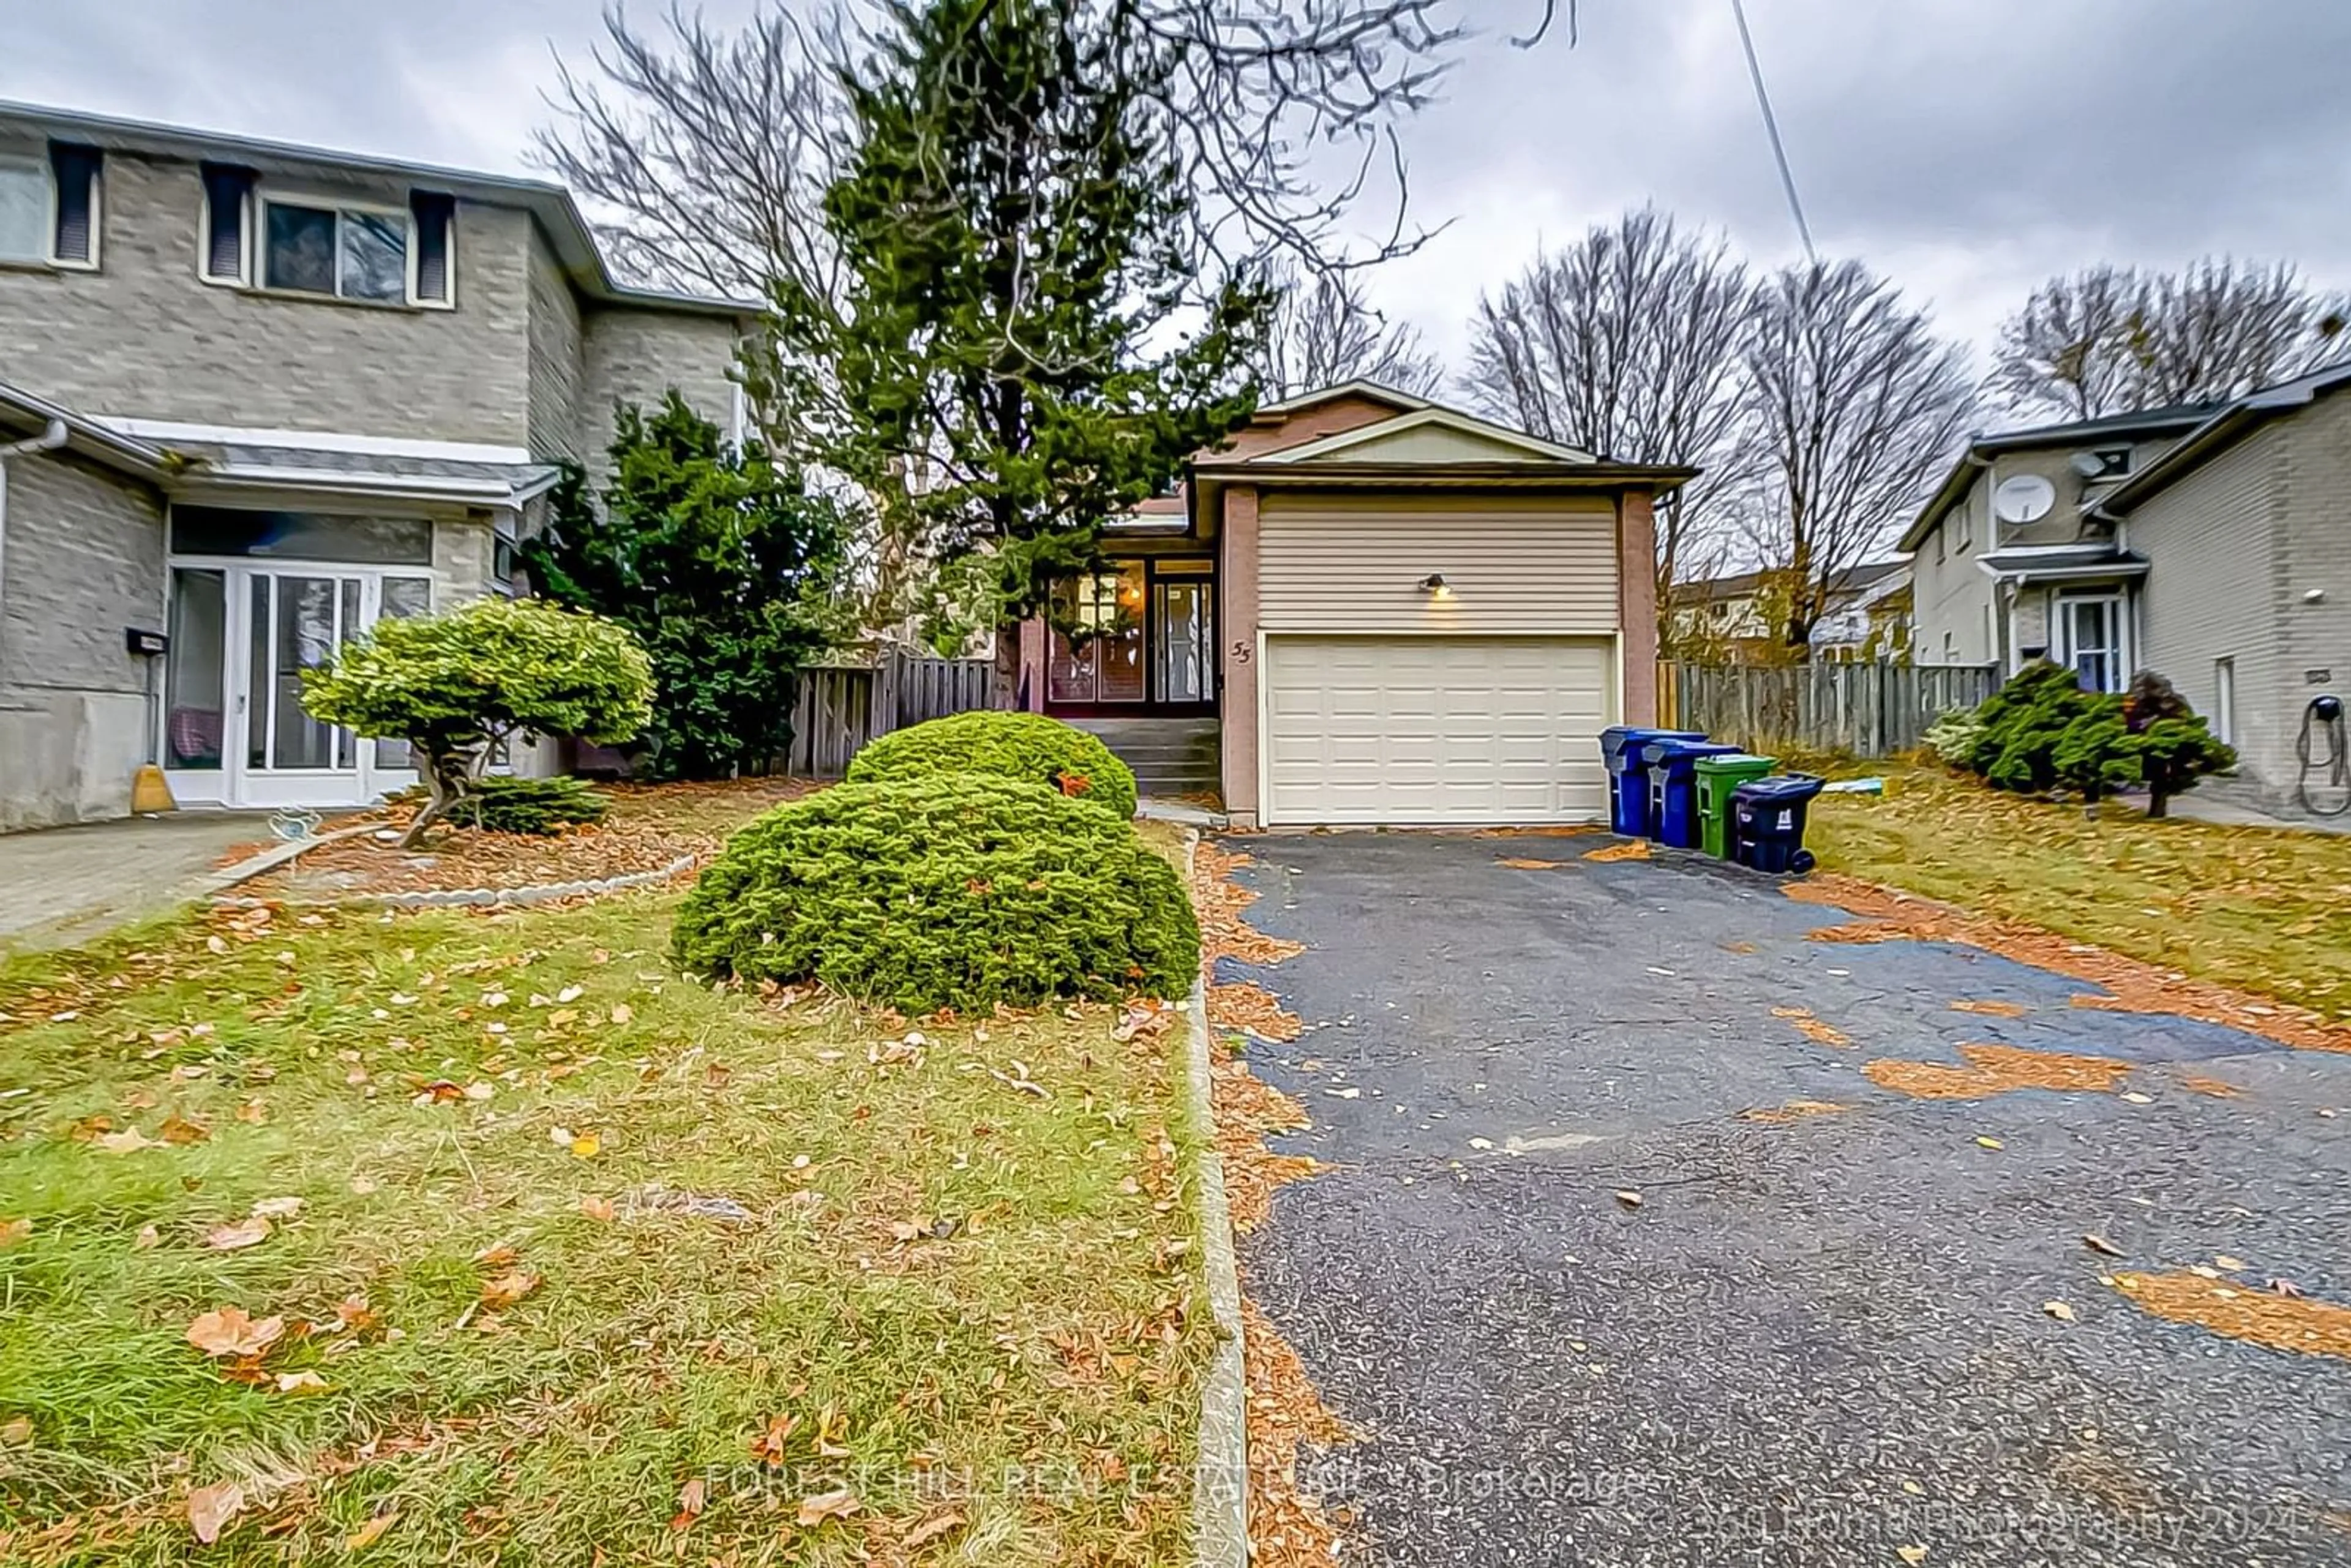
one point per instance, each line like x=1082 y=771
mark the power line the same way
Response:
x=1772 y=125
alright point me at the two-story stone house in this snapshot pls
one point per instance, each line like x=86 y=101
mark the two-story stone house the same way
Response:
x=254 y=397
x=2211 y=544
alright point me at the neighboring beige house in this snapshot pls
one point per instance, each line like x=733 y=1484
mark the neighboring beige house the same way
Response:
x=260 y=396
x=1368 y=609
x=2009 y=565
x=1868 y=617
x=2210 y=544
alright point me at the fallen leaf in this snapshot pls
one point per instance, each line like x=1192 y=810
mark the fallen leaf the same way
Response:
x=691 y=1498
x=17 y=1432
x=278 y=1209
x=931 y=1529
x=587 y=1146
x=130 y=1139
x=1629 y=1198
x=497 y=1257
x=507 y=1289
x=2096 y=1243
x=1990 y=1144
x=234 y=1238
x=368 y=1534
x=352 y=1312
x=597 y=1207
x=2233 y=1265
x=14 y=1231
x=2058 y=1310
x=832 y=1433
x=228 y=1331
x=623 y=1012
x=2133 y=1097
x=770 y=1445
x=1913 y=1555
x=211 y=1508
x=178 y=1129
x=839 y=1503
x=148 y=1237
x=301 y=1383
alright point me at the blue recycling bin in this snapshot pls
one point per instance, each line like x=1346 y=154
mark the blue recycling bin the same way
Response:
x=1673 y=788
x=1623 y=747
x=1767 y=822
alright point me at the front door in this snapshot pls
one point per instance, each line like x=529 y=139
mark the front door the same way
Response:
x=2092 y=628
x=1137 y=637
x=234 y=728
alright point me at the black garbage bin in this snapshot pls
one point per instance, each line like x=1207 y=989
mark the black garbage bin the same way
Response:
x=1767 y=822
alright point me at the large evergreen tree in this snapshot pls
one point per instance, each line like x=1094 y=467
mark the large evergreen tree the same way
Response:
x=1012 y=349
x=726 y=566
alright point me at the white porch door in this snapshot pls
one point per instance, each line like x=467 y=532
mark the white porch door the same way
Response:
x=2092 y=629
x=281 y=622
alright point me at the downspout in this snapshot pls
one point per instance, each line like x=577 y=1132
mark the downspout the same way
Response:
x=49 y=440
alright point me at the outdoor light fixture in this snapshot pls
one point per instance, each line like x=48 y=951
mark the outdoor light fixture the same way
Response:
x=1434 y=585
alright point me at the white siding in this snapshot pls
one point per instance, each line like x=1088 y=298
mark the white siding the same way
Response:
x=1411 y=730
x=1353 y=561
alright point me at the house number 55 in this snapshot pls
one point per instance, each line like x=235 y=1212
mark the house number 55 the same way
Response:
x=1242 y=652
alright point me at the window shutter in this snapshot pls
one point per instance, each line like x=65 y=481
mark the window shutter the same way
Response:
x=435 y=215
x=76 y=172
x=225 y=192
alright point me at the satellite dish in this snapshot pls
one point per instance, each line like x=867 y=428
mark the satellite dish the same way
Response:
x=2023 y=499
x=2088 y=464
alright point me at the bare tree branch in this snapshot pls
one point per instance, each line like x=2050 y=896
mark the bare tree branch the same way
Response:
x=1325 y=331
x=1856 y=408
x=2107 y=338
x=1627 y=343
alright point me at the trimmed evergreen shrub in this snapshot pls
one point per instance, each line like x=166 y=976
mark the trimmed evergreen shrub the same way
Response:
x=1025 y=746
x=2096 y=755
x=960 y=891
x=2023 y=723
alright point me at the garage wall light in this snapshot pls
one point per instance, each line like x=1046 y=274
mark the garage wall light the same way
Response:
x=1435 y=585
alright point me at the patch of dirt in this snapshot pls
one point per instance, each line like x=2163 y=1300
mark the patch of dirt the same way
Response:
x=1288 y=1528
x=2294 y=1324
x=649 y=826
x=1813 y=1029
x=1998 y=1070
x=1630 y=850
x=1793 y=1111
x=1991 y=1010
x=2134 y=986
x=1523 y=862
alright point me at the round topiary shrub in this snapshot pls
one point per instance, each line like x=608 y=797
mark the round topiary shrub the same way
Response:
x=1025 y=746
x=955 y=892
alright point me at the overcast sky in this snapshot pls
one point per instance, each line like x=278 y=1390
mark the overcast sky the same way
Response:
x=1969 y=148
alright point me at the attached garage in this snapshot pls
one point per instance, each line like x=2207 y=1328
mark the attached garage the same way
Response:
x=1433 y=730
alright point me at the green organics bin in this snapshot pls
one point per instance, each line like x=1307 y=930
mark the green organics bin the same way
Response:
x=1717 y=777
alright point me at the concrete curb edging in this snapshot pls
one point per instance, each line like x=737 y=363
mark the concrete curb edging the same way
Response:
x=270 y=859
x=1220 y=1481
x=482 y=898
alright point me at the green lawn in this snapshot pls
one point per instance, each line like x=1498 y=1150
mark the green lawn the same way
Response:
x=574 y=1233
x=2263 y=910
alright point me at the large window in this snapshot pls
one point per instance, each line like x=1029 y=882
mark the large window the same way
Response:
x=337 y=250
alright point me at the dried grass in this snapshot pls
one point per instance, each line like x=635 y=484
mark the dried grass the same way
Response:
x=2292 y=1324
x=2134 y=984
x=1998 y=1070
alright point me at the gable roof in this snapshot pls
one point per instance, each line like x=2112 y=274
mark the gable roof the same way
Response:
x=567 y=229
x=1361 y=442
x=1982 y=448
x=2229 y=424
x=1403 y=401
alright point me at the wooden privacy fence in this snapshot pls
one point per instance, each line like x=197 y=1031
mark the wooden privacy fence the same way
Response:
x=1863 y=709
x=842 y=707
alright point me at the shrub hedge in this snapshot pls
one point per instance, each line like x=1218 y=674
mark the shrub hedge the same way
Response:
x=961 y=891
x=1025 y=745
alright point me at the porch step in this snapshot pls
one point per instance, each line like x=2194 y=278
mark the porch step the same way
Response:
x=1169 y=756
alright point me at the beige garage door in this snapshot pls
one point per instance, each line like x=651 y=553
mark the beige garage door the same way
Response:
x=1437 y=729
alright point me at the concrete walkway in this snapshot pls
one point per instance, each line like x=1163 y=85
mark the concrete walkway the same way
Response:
x=64 y=885
x=2199 y=807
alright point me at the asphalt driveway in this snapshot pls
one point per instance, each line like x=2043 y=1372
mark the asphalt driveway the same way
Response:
x=1819 y=1343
